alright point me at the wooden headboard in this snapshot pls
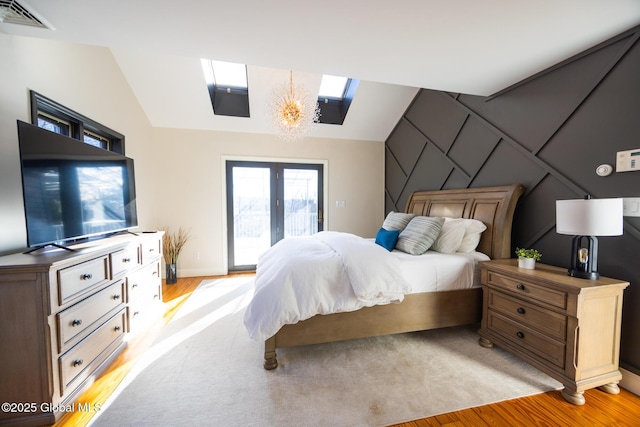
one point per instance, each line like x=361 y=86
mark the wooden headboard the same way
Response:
x=494 y=206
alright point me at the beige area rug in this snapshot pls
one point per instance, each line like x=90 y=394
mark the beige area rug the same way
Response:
x=204 y=370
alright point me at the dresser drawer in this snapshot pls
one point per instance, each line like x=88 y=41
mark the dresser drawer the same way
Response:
x=139 y=283
x=124 y=260
x=150 y=249
x=82 y=316
x=81 y=278
x=524 y=337
x=81 y=360
x=541 y=319
x=529 y=290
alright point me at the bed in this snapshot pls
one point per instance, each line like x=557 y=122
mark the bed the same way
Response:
x=494 y=206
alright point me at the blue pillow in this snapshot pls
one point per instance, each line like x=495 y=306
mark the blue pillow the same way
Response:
x=387 y=238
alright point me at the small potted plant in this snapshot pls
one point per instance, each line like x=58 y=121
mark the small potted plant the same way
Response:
x=527 y=258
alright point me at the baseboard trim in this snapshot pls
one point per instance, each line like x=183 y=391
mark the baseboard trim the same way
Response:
x=630 y=381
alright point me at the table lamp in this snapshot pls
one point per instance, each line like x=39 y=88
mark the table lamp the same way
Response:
x=585 y=219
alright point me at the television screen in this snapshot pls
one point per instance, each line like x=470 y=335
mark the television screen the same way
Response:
x=73 y=190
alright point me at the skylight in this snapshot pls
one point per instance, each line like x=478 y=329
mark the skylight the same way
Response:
x=332 y=87
x=227 y=87
x=334 y=98
x=225 y=74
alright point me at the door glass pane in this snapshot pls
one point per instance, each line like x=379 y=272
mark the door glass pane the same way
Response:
x=251 y=213
x=300 y=202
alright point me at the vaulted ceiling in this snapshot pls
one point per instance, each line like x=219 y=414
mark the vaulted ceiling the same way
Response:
x=393 y=47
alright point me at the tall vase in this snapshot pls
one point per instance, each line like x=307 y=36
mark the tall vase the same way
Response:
x=171 y=276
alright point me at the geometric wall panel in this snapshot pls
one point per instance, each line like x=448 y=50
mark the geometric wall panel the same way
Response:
x=473 y=144
x=406 y=144
x=395 y=178
x=548 y=133
x=505 y=165
x=430 y=173
x=564 y=89
x=439 y=121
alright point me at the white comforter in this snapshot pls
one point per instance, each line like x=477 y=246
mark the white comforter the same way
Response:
x=328 y=272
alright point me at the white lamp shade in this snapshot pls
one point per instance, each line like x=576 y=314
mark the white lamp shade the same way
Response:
x=589 y=217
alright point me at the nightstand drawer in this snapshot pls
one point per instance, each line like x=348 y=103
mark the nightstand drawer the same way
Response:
x=528 y=290
x=543 y=320
x=524 y=337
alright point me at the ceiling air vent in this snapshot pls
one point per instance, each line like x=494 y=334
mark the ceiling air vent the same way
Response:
x=13 y=12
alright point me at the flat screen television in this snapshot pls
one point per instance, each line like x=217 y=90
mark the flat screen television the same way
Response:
x=72 y=190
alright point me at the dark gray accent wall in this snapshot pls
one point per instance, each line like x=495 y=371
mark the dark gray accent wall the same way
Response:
x=549 y=133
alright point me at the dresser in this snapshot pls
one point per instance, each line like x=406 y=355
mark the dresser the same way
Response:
x=64 y=317
x=567 y=327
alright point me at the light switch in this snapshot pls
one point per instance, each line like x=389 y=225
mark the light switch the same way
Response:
x=341 y=203
x=631 y=206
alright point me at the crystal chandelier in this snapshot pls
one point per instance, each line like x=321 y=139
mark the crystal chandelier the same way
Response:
x=293 y=110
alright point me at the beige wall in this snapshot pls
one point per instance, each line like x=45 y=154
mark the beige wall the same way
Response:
x=179 y=173
x=192 y=192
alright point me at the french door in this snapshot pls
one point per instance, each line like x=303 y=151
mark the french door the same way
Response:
x=267 y=202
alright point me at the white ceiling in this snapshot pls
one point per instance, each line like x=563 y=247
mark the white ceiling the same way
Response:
x=476 y=47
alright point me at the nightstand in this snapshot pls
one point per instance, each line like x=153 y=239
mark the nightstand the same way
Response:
x=567 y=327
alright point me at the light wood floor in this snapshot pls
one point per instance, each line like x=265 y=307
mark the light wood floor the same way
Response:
x=546 y=409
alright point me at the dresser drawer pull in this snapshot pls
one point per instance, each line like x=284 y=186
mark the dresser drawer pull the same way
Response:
x=116 y=297
x=134 y=285
x=520 y=286
x=136 y=313
x=126 y=259
x=154 y=273
x=76 y=322
x=77 y=362
x=521 y=310
x=86 y=276
x=519 y=334
x=152 y=250
x=116 y=328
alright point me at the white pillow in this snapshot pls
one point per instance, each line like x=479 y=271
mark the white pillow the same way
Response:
x=472 y=233
x=450 y=237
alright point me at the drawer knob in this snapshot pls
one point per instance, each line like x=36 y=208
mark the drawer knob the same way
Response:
x=116 y=297
x=520 y=286
x=86 y=276
x=116 y=328
x=76 y=322
x=519 y=334
x=135 y=285
x=521 y=310
x=78 y=362
x=126 y=259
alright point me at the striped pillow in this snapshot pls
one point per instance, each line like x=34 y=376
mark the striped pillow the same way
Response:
x=419 y=234
x=397 y=221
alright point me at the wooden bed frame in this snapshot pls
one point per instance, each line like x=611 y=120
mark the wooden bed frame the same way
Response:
x=494 y=206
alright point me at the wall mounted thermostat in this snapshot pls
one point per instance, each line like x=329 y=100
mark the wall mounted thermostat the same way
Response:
x=627 y=161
